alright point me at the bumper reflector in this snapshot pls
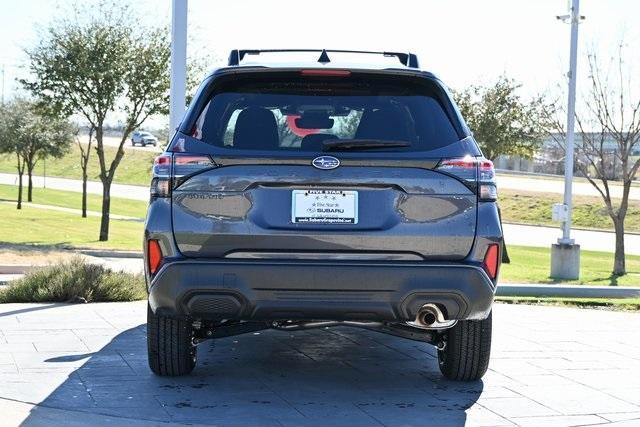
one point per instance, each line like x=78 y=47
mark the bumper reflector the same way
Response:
x=154 y=255
x=492 y=260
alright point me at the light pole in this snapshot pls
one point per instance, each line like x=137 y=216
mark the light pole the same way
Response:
x=178 y=63
x=565 y=255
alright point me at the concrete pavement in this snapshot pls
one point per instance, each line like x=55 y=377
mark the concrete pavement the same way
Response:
x=86 y=364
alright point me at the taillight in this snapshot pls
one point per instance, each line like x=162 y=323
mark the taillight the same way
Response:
x=161 y=181
x=492 y=260
x=464 y=168
x=160 y=187
x=487 y=189
x=471 y=169
x=190 y=160
x=162 y=165
x=168 y=169
x=188 y=164
x=154 y=255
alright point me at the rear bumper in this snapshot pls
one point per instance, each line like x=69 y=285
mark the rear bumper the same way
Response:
x=264 y=290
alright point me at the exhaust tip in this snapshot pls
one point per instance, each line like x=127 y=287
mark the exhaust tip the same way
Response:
x=427 y=318
x=430 y=316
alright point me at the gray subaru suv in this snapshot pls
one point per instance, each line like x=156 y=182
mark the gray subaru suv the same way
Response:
x=343 y=189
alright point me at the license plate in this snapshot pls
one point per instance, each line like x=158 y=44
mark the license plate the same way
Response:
x=324 y=207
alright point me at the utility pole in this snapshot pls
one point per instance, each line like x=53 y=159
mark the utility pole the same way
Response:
x=178 y=63
x=565 y=255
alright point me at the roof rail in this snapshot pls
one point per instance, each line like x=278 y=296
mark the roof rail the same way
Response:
x=408 y=59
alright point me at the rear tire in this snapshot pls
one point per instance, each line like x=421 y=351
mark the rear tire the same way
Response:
x=169 y=345
x=466 y=355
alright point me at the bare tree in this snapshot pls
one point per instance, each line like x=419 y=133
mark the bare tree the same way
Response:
x=611 y=117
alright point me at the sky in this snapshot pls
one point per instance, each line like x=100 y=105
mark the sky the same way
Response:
x=464 y=42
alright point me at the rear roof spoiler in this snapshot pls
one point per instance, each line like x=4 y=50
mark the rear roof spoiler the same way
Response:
x=407 y=59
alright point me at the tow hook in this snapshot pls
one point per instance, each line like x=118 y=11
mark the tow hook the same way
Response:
x=441 y=345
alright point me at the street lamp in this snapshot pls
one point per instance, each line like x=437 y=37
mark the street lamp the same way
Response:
x=565 y=255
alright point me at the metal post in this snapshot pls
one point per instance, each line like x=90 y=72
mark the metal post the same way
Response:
x=571 y=112
x=565 y=255
x=178 y=63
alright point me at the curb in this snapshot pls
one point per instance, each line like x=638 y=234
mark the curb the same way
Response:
x=106 y=253
x=570 y=291
x=16 y=269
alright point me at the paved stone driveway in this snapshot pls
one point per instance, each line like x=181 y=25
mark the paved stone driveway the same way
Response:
x=86 y=364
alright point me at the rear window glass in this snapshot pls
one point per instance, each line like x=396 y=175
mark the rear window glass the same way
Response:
x=302 y=116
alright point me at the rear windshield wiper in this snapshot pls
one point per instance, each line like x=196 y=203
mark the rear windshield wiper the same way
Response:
x=360 y=144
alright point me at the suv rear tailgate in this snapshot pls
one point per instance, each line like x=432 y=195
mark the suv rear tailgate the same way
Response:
x=247 y=209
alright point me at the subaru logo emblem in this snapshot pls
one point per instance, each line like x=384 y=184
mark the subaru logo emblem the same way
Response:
x=325 y=162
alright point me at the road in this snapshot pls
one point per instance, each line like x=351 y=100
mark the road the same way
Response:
x=514 y=234
x=551 y=185
x=114 y=141
x=86 y=364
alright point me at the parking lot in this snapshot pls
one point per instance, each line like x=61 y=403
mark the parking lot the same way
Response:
x=87 y=364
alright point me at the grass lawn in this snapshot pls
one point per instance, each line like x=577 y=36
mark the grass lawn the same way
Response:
x=134 y=168
x=532 y=265
x=44 y=227
x=588 y=212
x=72 y=199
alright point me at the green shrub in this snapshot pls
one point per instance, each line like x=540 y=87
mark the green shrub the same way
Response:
x=75 y=281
